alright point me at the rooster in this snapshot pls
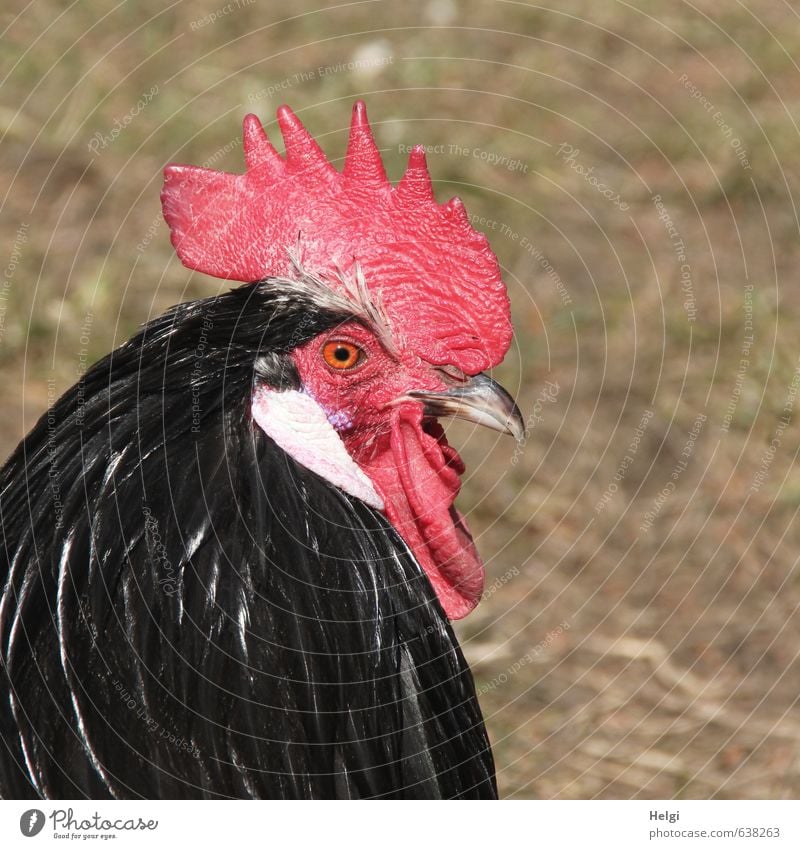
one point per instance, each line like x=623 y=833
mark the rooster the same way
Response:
x=230 y=553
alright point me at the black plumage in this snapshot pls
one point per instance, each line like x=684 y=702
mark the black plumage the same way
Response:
x=188 y=612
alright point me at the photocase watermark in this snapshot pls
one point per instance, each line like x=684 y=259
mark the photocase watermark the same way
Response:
x=83 y=360
x=487 y=156
x=678 y=246
x=777 y=437
x=222 y=12
x=548 y=395
x=626 y=462
x=66 y=825
x=53 y=443
x=154 y=227
x=497 y=583
x=20 y=238
x=32 y=822
x=221 y=151
x=678 y=469
x=527 y=658
x=14 y=259
x=153 y=725
x=363 y=63
x=744 y=358
x=100 y=141
x=719 y=119
x=570 y=155
x=197 y=369
x=288 y=82
x=549 y=270
x=484 y=223
x=158 y=221
x=158 y=552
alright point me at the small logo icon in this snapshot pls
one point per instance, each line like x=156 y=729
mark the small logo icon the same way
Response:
x=31 y=822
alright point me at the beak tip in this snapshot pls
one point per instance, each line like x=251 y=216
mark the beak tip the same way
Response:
x=480 y=400
x=516 y=426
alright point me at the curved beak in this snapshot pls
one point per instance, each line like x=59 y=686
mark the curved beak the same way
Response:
x=480 y=400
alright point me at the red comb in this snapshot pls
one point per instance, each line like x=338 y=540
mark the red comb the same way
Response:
x=437 y=279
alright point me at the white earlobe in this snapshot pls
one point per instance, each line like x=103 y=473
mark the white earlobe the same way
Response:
x=300 y=427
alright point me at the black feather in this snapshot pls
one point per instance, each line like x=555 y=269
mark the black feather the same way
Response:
x=187 y=612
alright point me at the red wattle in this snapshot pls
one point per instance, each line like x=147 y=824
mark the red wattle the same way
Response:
x=418 y=480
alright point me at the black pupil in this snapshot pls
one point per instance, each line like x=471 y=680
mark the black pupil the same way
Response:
x=342 y=354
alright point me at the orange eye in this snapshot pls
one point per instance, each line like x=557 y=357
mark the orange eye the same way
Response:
x=342 y=355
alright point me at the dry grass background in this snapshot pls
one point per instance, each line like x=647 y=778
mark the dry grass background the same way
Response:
x=615 y=660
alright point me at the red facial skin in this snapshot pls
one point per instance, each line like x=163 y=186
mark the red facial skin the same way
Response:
x=406 y=457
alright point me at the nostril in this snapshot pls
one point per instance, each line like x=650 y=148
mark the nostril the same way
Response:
x=452 y=375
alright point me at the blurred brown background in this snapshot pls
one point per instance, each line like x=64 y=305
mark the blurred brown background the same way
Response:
x=635 y=167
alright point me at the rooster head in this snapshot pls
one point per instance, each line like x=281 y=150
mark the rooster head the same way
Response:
x=424 y=313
